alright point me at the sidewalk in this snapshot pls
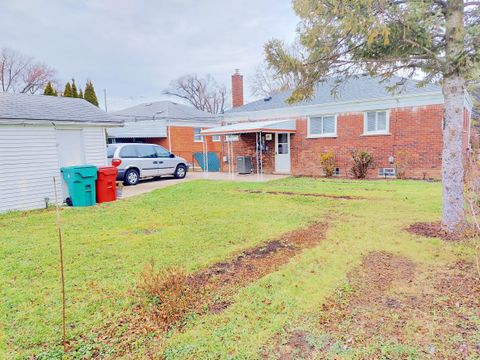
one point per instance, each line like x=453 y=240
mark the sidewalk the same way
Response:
x=152 y=184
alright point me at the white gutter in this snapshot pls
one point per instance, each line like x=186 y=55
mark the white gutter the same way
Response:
x=8 y=121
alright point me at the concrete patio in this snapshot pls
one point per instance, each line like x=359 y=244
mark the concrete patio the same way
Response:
x=153 y=184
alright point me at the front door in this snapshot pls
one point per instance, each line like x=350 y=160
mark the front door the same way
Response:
x=282 y=153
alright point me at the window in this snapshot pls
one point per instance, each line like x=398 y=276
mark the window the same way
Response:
x=386 y=172
x=216 y=138
x=231 y=138
x=128 y=152
x=376 y=122
x=282 y=144
x=162 y=152
x=322 y=126
x=146 y=151
x=111 y=151
x=196 y=135
x=336 y=172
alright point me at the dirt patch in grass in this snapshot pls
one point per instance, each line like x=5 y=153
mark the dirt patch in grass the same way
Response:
x=389 y=307
x=259 y=261
x=169 y=297
x=297 y=347
x=290 y=193
x=433 y=229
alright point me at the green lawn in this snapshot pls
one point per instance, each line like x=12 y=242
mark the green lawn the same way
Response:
x=194 y=225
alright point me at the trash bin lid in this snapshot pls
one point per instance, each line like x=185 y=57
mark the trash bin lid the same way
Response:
x=108 y=170
x=82 y=170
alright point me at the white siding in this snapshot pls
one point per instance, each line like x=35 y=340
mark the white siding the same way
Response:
x=95 y=146
x=28 y=163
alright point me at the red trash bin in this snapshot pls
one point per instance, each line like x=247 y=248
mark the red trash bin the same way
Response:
x=106 y=184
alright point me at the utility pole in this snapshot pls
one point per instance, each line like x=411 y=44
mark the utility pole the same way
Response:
x=105 y=98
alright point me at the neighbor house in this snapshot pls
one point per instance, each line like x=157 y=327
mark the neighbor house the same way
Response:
x=402 y=131
x=39 y=135
x=174 y=126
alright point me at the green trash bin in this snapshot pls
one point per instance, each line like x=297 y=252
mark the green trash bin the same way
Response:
x=81 y=184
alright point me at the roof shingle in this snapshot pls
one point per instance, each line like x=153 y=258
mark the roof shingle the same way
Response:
x=353 y=89
x=52 y=108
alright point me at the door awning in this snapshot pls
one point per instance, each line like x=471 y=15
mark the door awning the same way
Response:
x=271 y=126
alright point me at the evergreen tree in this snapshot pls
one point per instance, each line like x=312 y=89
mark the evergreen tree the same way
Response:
x=80 y=93
x=89 y=94
x=437 y=39
x=68 y=90
x=74 y=89
x=49 y=90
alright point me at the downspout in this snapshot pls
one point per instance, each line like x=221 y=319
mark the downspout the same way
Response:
x=169 y=137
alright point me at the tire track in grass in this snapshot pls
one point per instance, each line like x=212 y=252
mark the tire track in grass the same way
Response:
x=167 y=298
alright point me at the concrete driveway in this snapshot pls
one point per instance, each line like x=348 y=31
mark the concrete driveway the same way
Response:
x=153 y=184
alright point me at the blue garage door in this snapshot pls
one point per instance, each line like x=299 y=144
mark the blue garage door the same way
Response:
x=213 y=161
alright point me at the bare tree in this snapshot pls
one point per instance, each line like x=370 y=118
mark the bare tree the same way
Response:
x=202 y=93
x=22 y=74
x=266 y=82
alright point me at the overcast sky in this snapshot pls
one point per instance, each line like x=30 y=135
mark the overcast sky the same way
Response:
x=135 y=48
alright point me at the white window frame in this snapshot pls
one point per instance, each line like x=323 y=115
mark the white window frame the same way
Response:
x=327 y=135
x=195 y=139
x=376 y=132
x=216 y=138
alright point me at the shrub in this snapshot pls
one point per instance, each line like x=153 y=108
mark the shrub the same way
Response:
x=362 y=162
x=327 y=163
x=169 y=293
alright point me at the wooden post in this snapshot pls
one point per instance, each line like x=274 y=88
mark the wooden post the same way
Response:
x=59 y=232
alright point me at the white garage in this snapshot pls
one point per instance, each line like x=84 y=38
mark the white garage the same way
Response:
x=39 y=135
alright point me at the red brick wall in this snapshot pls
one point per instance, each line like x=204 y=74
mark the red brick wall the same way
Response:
x=183 y=144
x=245 y=146
x=415 y=142
x=415 y=139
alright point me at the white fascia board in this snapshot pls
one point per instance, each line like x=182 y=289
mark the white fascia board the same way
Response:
x=196 y=124
x=42 y=122
x=432 y=98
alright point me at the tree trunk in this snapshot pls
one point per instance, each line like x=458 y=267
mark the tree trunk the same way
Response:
x=453 y=213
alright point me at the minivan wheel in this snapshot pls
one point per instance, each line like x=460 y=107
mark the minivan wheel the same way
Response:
x=131 y=177
x=180 y=172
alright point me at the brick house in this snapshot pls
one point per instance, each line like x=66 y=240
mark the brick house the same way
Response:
x=174 y=126
x=403 y=132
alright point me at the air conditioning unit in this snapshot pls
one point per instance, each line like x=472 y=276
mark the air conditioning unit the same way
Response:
x=244 y=164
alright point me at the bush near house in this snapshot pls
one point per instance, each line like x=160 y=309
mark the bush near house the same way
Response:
x=362 y=162
x=327 y=161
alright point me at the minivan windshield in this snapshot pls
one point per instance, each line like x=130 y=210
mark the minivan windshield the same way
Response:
x=111 y=150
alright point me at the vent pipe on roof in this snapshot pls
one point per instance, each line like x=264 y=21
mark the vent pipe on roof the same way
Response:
x=237 y=89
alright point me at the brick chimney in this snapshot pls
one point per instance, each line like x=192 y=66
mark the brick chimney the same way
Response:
x=237 y=89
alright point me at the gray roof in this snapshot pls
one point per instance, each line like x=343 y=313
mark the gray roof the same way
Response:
x=51 y=108
x=165 y=110
x=353 y=89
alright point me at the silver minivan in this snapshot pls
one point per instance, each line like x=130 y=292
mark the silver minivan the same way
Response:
x=138 y=161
